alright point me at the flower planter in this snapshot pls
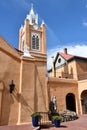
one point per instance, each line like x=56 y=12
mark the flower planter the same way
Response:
x=36 y=117
x=35 y=121
x=57 y=123
x=56 y=119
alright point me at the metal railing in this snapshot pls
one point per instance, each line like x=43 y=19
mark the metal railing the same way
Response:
x=45 y=118
x=67 y=115
x=80 y=76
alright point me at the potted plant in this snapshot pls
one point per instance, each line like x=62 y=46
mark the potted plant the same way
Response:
x=56 y=120
x=36 y=117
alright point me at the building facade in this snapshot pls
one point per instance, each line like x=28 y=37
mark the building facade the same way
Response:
x=68 y=81
x=24 y=85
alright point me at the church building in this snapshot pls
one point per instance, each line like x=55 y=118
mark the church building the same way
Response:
x=24 y=85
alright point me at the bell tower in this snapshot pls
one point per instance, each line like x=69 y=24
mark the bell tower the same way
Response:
x=32 y=35
x=33 y=87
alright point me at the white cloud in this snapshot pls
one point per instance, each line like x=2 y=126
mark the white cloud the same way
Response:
x=85 y=23
x=79 y=50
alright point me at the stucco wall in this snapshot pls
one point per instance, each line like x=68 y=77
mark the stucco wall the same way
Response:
x=60 y=88
x=33 y=91
x=81 y=69
x=9 y=70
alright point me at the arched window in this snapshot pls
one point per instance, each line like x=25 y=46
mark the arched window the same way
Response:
x=35 y=41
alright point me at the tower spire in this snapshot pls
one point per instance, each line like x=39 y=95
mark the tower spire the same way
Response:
x=32 y=17
x=32 y=10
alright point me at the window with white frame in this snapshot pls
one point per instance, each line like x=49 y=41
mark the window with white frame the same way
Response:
x=35 y=41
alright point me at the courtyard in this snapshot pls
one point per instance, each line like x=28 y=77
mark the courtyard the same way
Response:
x=79 y=124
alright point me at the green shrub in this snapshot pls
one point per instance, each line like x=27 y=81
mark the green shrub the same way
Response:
x=36 y=114
x=56 y=117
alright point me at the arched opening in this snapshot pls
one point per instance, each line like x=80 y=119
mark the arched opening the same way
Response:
x=84 y=101
x=70 y=102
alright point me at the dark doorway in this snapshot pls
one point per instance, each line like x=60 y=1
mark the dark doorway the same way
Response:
x=70 y=102
x=84 y=101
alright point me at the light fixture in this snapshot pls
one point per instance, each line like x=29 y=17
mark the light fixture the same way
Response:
x=11 y=86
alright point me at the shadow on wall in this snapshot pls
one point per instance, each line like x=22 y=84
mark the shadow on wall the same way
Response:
x=7 y=101
x=10 y=106
x=40 y=87
x=26 y=109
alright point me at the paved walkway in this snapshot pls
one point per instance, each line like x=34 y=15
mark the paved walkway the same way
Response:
x=79 y=124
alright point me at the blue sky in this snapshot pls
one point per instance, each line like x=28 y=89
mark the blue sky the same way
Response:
x=66 y=22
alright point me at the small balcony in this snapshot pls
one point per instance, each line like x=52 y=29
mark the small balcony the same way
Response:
x=62 y=75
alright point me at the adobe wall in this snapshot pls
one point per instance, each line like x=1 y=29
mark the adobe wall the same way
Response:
x=33 y=88
x=60 y=88
x=81 y=70
x=9 y=70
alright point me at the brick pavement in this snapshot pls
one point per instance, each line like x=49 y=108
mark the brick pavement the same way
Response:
x=79 y=124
